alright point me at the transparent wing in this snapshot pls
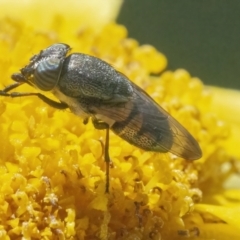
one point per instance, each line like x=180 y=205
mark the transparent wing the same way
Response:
x=143 y=123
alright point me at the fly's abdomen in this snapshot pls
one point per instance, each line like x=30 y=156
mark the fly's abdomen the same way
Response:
x=140 y=130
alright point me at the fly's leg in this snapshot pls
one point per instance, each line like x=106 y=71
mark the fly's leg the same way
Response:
x=107 y=160
x=85 y=120
x=11 y=87
x=102 y=125
x=20 y=79
x=50 y=102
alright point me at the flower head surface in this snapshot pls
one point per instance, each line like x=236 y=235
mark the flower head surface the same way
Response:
x=52 y=166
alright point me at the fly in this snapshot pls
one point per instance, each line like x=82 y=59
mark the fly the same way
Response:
x=91 y=88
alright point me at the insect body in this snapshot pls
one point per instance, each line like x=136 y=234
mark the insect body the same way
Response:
x=92 y=88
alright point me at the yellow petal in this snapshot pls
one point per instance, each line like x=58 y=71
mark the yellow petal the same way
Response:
x=43 y=13
x=227 y=214
x=226 y=104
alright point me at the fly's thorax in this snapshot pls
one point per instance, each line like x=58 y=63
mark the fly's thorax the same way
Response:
x=88 y=76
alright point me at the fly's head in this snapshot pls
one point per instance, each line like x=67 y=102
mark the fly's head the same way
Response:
x=44 y=69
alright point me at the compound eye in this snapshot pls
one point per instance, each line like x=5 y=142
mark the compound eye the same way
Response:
x=47 y=73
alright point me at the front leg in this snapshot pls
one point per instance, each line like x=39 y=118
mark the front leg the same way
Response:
x=50 y=102
x=12 y=86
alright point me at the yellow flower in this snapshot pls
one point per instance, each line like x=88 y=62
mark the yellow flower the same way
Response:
x=52 y=171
